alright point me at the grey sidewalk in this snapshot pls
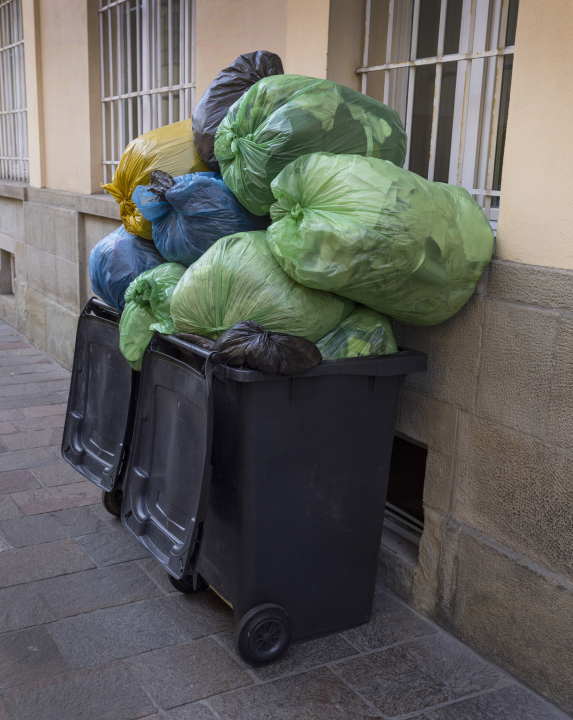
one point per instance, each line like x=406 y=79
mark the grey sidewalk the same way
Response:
x=90 y=629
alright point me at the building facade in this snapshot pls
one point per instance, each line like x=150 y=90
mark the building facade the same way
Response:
x=483 y=88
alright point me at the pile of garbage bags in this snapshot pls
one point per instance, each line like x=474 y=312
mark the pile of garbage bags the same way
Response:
x=279 y=229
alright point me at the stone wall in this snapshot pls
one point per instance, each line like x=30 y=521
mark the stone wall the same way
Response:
x=496 y=411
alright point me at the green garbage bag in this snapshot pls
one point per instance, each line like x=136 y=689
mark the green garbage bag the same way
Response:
x=147 y=304
x=363 y=332
x=238 y=279
x=285 y=116
x=382 y=236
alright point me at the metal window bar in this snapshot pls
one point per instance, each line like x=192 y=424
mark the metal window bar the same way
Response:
x=13 y=112
x=141 y=87
x=477 y=94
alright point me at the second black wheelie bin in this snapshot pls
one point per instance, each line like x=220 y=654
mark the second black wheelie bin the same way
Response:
x=269 y=489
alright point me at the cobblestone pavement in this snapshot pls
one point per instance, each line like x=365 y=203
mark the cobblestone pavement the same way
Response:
x=91 y=630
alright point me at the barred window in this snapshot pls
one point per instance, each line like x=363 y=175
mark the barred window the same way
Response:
x=445 y=66
x=147 y=74
x=13 y=118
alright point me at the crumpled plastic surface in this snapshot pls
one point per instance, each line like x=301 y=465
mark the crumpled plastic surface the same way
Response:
x=147 y=310
x=225 y=89
x=286 y=116
x=248 y=343
x=117 y=260
x=194 y=212
x=239 y=279
x=385 y=237
x=364 y=332
x=168 y=148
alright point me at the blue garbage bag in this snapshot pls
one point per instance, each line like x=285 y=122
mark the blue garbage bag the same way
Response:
x=191 y=212
x=117 y=260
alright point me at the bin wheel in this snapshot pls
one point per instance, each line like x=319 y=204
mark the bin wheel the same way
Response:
x=112 y=501
x=185 y=585
x=263 y=634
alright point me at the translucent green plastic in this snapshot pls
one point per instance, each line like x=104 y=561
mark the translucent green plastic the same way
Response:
x=147 y=310
x=285 y=116
x=363 y=332
x=385 y=237
x=239 y=279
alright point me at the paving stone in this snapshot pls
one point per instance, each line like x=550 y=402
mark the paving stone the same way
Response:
x=37 y=529
x=59 y=473
x=509 y=703
x=44 y=500
x=193 y=711
x=9 y=509
x=391 y=622
x=111 y=548
x=156 y=573
x=184 y=673
x=32 y=439
x=41 y=561
x=17 y=481
x=54 y=373
x=21 y=459
x=7 y=428
x=199 y=615
x=41 y=423
x=410 y=677
x=21 y=359
x=42 y=365
x=95 y=589
x=28 y=655
x=25 y=401
x=11 y=415
x=4 y=711
x=22 y=607
x=24 y=389
x=103 y=693
x=30 y=350
x=14 y=345
x=117 y=632
x=298 y=657
x=315 y=695
x=44 y=410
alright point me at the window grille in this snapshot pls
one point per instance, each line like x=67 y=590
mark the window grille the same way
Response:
x=445 y=66
x=147 y=76
x=13 y=118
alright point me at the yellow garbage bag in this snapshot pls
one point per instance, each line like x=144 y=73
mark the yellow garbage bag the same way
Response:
x=169 y=148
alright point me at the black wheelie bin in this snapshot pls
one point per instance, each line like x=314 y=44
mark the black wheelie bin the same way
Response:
x=269 y=489
x=101 y=404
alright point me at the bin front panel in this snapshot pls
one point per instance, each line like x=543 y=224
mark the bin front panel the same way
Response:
x=97 y=428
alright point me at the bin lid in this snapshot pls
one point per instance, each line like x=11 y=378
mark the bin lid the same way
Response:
x=169 y=473
x=97 y=428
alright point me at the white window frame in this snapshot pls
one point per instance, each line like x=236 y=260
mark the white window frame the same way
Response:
x=120 y=95
x=13 y=113
x=477 y=95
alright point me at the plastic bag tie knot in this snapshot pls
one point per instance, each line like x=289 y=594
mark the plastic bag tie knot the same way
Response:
x=297 y=212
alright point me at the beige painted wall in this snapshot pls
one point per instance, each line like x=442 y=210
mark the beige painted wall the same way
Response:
x=536 y=215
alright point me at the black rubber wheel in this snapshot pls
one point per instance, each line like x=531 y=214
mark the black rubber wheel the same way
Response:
x=185 y=585
x=263 y=634
x=112 y=501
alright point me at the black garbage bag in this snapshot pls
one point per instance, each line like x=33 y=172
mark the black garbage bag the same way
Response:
x=225 y=89
x=247 y=343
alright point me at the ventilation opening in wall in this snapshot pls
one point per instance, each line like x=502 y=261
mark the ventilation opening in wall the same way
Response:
x=404 y=508
x=7 y=274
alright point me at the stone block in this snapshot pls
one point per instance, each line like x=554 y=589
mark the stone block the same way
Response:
x=516 y=366
x=66 y=229
x=21 y=607
x=396 y=564
x=59 y=473
x=35 y=304
x=515 y=613
x=104 y=693
x=39 y=226
x=9 y=310
x=20 y=297
x=193 y=711
x=11 y=217
x=433 y=423
x=38 y=529
x=41 y=271
x=20 y=459
x=43 y=423
x=9 y=509
x=17 y=481
x=560 y=420
x=116 y=632
x=84 y=592
x=49 y=500
x=184 y=673
x=453 y=355
x=544 y=287
x=411 y=677
x=156 y=573
x=318 y=694
x=28 y=655
x=199 y=615
x=111 y=548
x=427 y=574
x=509 y=703
x=33 y=438
x=517 y=491
x=68 y=283
x=61 y=325
x=20 y=259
